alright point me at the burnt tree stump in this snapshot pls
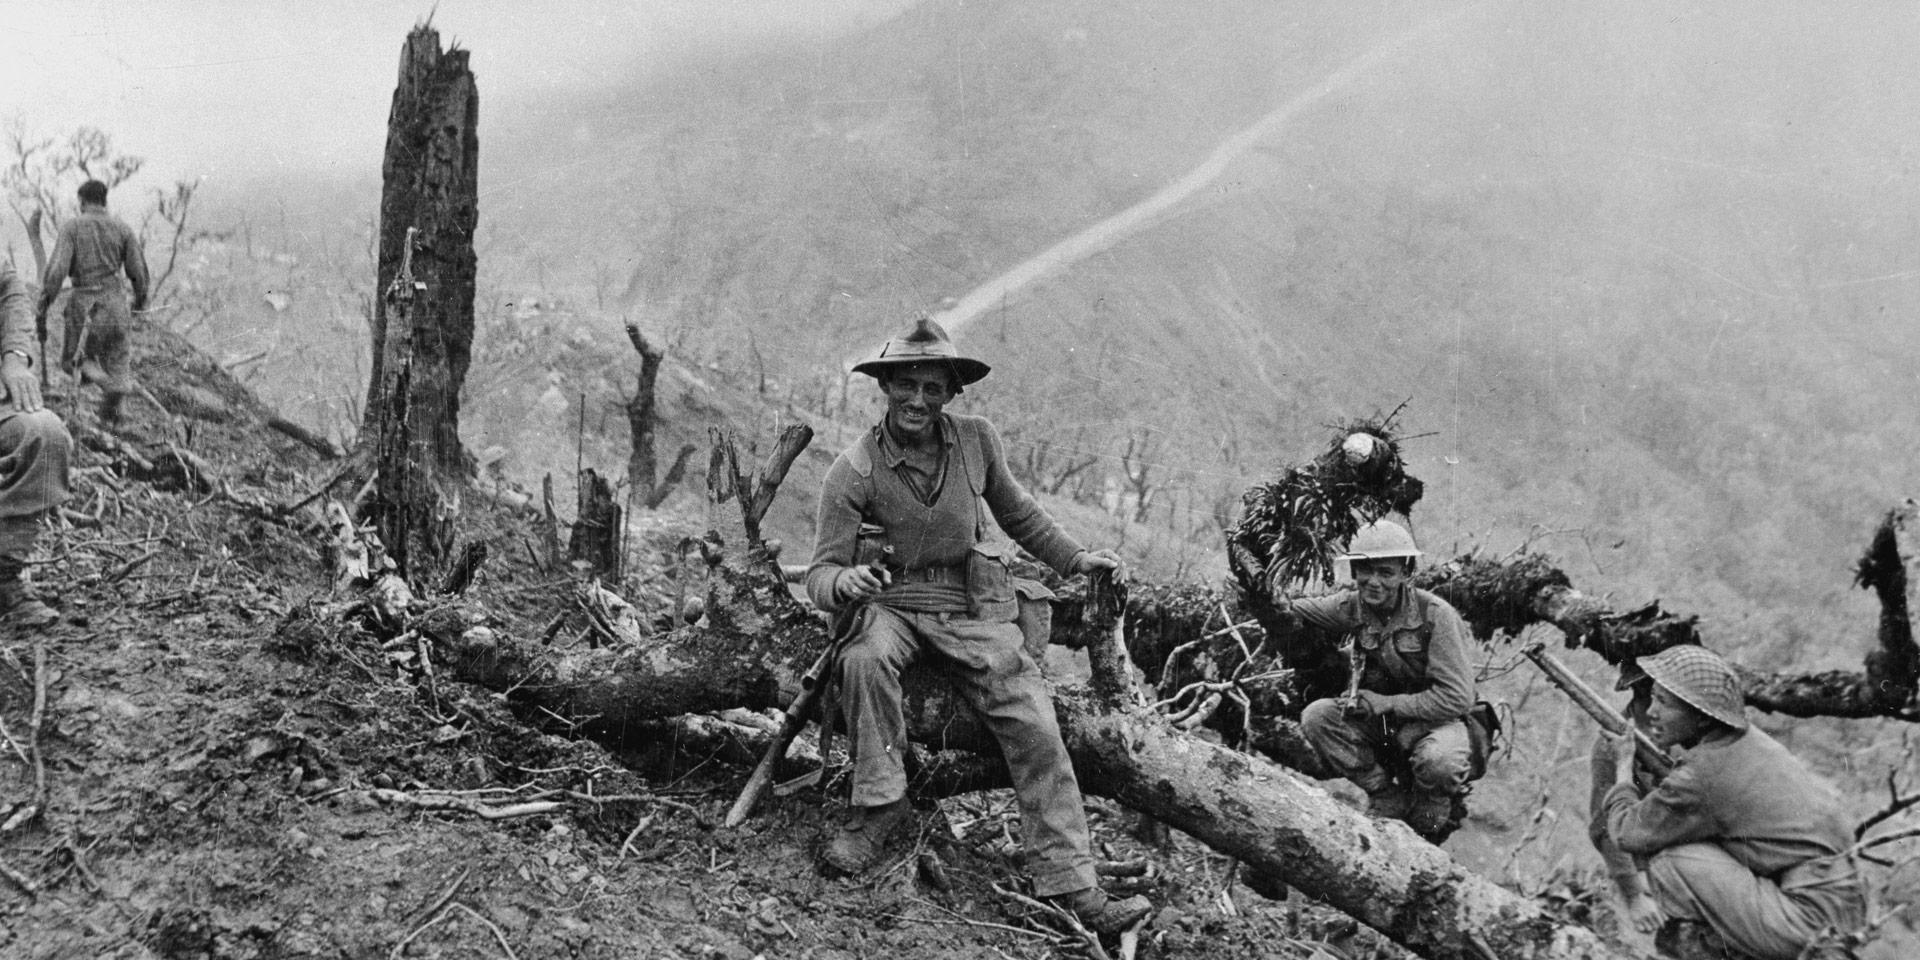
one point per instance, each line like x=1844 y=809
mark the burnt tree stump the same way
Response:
x=430 y=187
x=595 y=538
x=423 y=321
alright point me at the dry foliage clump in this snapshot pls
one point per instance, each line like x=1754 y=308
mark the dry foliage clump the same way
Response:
x=1293 y=524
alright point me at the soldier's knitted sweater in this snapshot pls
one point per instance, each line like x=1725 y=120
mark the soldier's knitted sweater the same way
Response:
x=866 y=483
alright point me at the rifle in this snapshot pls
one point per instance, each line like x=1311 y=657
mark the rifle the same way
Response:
x=1587 y=699
x=846 y=627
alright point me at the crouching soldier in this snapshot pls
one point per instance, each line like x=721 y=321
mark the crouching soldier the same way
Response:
x=1402 y=735
x=1745 y=847
x=34 y=447
x=926 y=480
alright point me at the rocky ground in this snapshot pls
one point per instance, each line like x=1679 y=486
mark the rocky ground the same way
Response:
x=218 y=787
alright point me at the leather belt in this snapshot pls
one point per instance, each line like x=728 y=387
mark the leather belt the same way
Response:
x=956 y=574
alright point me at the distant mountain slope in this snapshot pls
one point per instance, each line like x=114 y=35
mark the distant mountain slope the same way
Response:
x=1643 y=272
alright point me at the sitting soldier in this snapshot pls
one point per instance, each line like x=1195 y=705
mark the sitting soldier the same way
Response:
x=34 y=447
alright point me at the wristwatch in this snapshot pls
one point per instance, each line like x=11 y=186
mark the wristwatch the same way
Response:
x=28 y=357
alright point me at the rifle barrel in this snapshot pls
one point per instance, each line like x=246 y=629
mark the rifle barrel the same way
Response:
x=1588 y=700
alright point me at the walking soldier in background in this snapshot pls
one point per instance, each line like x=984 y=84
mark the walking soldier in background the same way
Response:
x=94 y=248
x=1401 y=734
x=34 y=447
x=1744 y=845
x=920 y=484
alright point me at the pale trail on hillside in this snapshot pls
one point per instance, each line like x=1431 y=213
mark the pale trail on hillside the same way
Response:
x=1103 y=235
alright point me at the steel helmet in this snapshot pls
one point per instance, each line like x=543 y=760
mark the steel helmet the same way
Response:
x=1379 y=540
x=1701 y=678
x=927 y=342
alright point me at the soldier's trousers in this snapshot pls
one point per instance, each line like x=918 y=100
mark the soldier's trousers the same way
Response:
x=1440 y=754
x=34 y=450
x=1762 y=918
x=994 y=673
x=98 y=322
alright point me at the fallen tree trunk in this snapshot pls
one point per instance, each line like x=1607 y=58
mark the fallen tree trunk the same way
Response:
x=1254 y=811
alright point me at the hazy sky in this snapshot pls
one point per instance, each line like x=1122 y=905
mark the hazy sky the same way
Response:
x=226 y=88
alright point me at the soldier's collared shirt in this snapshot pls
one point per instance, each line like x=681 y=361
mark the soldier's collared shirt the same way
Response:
x=94 y=248
x=1418 y=651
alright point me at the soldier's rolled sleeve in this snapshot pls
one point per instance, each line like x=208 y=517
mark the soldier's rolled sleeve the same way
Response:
x=16 y=317
x=1020 y=515
x=1335 y=611
x=1449 y=692
x=836 y=532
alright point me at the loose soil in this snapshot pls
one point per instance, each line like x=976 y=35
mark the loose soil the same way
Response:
x=213 y=780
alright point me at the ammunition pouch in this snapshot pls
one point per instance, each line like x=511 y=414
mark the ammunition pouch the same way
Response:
x=1035 y=617
x=990 y=595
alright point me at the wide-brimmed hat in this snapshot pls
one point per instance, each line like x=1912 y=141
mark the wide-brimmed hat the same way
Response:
x=927 y=342
x=1701 y=678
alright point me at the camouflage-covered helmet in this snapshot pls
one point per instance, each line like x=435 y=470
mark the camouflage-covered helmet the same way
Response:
x=1701 y=678
x=927 y=342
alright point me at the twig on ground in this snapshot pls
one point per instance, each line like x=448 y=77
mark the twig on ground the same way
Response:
x=38 y=804
x=130 y=566
x=440 y=902
x=13 y=744
x=686 y=808
x=498 y=937
x=968 y=922
x=632 y=835
x=338 y=476
x=400 y=948
x=1062 y=915
x=1480 y=946
x=483 y=811
x=20 y=880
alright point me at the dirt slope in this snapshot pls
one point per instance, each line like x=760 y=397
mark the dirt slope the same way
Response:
x=211 y=776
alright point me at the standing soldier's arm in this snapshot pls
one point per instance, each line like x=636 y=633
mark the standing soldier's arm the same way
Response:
x=59 y=264
x=1449 y=693
x=134 y=259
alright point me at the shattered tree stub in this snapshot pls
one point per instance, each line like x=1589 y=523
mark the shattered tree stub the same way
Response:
x=595 y=537
x=423 y=322
x=643 y=470
x=430 y=185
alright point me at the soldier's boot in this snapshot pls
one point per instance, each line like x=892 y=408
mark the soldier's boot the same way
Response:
x=862 y=837
x=1391 y=802
x=18 y=605
x=1101 y=913
x=1434 y=815
x=1693 y=940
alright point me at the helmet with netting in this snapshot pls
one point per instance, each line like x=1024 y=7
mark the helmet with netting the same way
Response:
x=1701 y=678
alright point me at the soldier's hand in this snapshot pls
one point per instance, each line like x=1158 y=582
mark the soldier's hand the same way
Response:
x=1357 y=706
x=1623 y=748
x=1644 y=913
x=23 y=387
x=1098 y=560
x=860 y=583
